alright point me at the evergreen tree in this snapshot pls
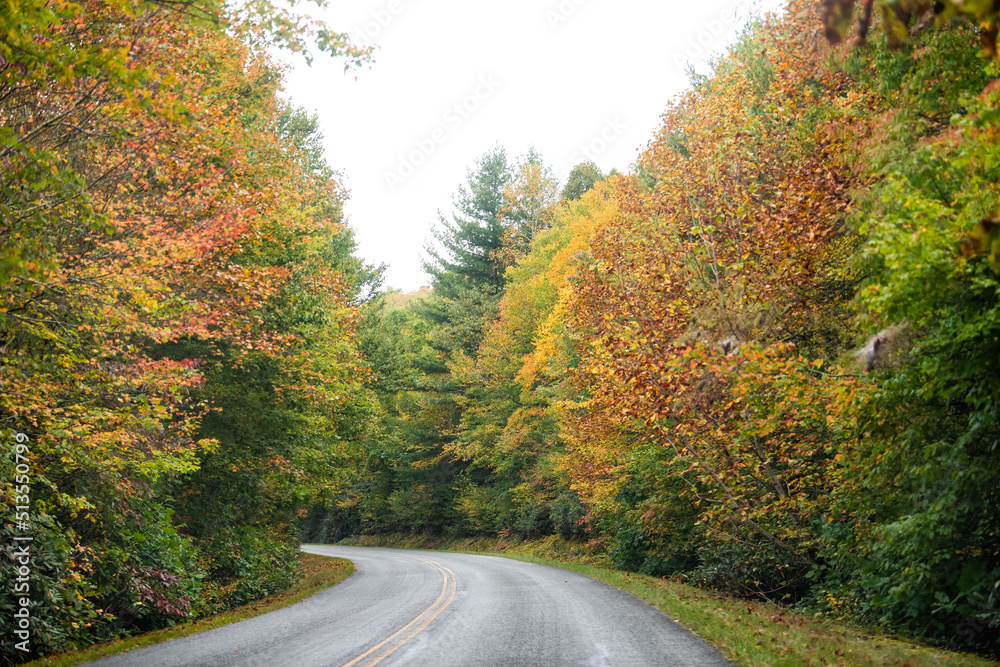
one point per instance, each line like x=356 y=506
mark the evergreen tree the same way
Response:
x=465 y=255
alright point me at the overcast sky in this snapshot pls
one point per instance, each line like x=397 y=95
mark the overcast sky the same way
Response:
x=452 y=79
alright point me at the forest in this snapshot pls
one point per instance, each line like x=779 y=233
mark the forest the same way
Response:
x=763 y=361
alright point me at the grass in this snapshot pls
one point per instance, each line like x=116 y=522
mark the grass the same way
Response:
x=750 y=634
x=319 y=572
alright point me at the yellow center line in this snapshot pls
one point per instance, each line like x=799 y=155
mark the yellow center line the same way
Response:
x=448 y=577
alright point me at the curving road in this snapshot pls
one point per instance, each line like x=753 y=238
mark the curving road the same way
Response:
x=428 y=608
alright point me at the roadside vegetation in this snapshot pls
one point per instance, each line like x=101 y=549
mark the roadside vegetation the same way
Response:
x=316 y=573
x=178 y=301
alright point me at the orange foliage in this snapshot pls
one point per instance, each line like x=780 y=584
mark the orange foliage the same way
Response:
x=688 y=314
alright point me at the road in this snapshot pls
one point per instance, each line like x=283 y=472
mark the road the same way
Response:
x=428 y=608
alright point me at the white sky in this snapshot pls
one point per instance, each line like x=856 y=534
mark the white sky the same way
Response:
x=454 y=78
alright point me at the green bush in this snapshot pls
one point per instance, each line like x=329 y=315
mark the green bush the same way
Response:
x=568 y=515
x=61 y=592
x=532 y=521
x=329 y=523
x=247 y=564
x=761 y=571
x=147 y=572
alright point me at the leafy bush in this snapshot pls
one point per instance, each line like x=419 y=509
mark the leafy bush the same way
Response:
x=247 y=564
x=61 y=592
x=759 y=571
x=568 y=515
x=632 y=547
x=148 y=572
x=533 y=520
x=329 y=523
x=485 y=509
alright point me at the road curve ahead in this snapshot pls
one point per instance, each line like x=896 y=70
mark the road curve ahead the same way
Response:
x=428 y=608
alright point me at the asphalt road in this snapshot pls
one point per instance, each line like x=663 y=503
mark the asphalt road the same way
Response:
x=428 y=608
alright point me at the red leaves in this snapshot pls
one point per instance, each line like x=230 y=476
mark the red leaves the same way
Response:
x=153 y=585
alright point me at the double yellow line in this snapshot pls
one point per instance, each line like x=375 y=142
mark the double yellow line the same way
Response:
x=448 y=586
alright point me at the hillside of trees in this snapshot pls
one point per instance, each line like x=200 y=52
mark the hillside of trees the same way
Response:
x=764 y=361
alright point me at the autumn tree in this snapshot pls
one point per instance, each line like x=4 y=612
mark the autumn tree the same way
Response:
x=581 y=178
x=527 y=209
x=159 y=205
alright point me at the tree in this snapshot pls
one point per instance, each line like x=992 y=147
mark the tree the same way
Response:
x=528 y=205
x=509 y=428
x=467 y=243
x=903 y=20
x=167 y=230
x=582 y=177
